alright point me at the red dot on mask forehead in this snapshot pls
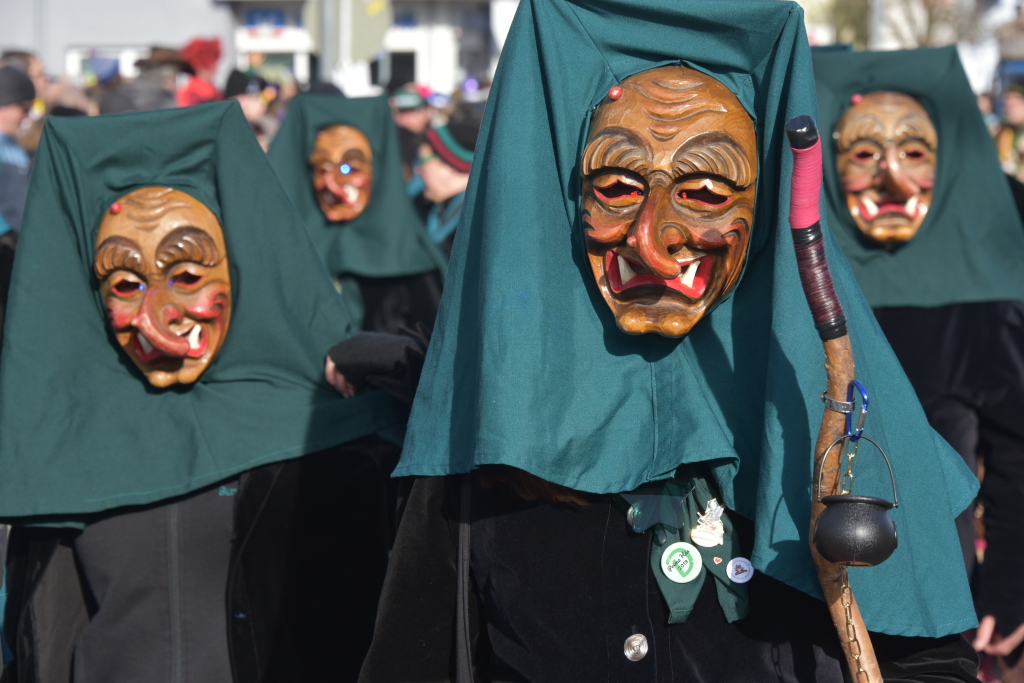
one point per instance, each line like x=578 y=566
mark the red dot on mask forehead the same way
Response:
x=115 y=208
x=614 y=92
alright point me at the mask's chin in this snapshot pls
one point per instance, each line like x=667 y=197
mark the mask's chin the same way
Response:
x=890 y=223
x=162 y=369
x=643 y=303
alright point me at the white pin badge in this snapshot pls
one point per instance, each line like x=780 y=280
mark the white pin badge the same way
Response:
x=739 y=570
x=709 y=531
x=681 y=562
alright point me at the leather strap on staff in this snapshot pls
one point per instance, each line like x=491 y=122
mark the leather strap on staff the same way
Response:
x=830 y=321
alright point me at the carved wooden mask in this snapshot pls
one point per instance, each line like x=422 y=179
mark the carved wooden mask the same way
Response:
x=669 y=174
x=342 y=163
x=163 y=271
x=886 y=146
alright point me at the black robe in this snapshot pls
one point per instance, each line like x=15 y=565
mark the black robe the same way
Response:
x=558 y=588
x=270 y=577
x=966 y=363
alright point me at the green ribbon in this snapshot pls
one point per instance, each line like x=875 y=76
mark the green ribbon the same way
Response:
x=676 y=505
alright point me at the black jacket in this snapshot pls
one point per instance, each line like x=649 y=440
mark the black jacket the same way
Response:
x=966 y=362
x=306 y=560
x=557 y=589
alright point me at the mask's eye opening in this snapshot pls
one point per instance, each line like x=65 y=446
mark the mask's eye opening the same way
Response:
x=126 y=287
x=185 y=278
x=619 y=190
x=865 y=155
x=702 y=195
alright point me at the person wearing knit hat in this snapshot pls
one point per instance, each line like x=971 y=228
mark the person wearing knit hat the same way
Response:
x=16 y=95
x=255 y=95
x=444 y=164
x=202 y=56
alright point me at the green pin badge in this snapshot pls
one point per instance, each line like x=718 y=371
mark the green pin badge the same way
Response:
x=681 y=562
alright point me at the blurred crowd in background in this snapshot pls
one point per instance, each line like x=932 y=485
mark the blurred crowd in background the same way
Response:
x=437 y=131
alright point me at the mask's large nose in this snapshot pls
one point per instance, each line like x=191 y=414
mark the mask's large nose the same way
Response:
x=894 y=178
x=155 y=316
x=651 y=237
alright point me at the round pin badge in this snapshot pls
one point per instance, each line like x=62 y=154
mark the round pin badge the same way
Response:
x=739 y=570
x=681 y=562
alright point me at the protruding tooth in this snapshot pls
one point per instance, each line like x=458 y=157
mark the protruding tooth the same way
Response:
x=351 y=192
x=911 y=206
x=922 y=208
x=855 y=210
x=147 y=348
x=193 y=337
x=871 y=207
x=691 y=272
x=626 y=273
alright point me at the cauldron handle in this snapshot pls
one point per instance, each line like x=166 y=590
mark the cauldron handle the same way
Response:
x=892 y=477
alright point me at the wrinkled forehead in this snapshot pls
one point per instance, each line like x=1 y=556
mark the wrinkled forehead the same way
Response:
x=149 y=213
x=667 y=101
x=885 y=116
x=338 y=139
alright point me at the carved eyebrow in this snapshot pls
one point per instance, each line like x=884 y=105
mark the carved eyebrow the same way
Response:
x=615 y=148
x=914 y=125
x=118 y=253
x=715 y=153
x=860 y=127
x=187 y=244
x=354 y=155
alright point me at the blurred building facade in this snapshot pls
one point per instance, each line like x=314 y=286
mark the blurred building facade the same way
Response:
x=360 y=45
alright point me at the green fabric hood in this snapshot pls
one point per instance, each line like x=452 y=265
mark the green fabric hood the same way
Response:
x=81 y=430
x=527 y=367
x=387 y=239
x=970 y=247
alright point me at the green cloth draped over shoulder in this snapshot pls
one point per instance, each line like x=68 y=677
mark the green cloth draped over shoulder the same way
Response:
x=970 y=247
x=81 y=430
x=527 y=367
x=387 y=239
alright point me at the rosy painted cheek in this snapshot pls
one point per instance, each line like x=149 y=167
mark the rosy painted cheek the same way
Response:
x=599 y=229
x=121 y=313
x=925 y=180
x=856 y=183
x=713 y=238
x=209 y=303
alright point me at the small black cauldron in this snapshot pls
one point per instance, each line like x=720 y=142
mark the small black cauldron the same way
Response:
x=856 y=531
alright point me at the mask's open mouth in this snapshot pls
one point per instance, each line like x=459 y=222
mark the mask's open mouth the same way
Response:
x=625 y=273
x=335 y=193
x=348 y=194
x=195 y=337
x=870 y=210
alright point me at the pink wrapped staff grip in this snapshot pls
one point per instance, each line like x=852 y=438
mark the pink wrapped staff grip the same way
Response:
x=805 y=188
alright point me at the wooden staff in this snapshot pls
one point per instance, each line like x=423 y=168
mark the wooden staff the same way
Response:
x=830 y=321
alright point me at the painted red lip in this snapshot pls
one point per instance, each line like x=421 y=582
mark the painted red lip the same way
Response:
x=141 y=353
x=643 y=276
x=148 y=356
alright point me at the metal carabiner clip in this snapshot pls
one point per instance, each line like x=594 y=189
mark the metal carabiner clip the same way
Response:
x=850 y=432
